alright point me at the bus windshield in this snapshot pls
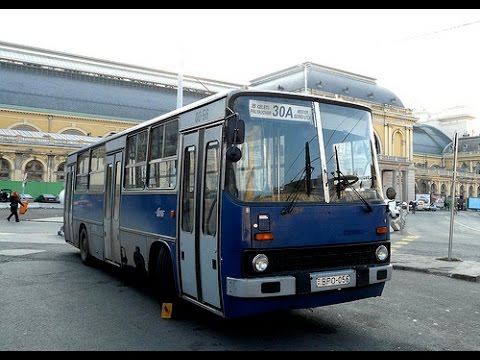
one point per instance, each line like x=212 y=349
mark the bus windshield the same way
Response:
x=303 y=150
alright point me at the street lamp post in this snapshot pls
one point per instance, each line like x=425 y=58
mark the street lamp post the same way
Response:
x=452 y=212
x=24 y=183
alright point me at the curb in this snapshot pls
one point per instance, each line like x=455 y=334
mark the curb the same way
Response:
x=40 y=220
x=465 y=277
x=471 y=278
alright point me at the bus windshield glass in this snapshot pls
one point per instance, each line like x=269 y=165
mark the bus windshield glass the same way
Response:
x=303 y=150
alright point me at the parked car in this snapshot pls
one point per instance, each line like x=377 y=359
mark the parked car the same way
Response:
x=5 y=195
x=47 y=198
x=431 y=207
x=27 y=197
x=420 y=205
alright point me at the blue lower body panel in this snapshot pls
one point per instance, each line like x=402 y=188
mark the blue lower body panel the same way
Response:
x=237 y=307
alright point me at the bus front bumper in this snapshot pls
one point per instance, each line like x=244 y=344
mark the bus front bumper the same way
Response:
x=307 y=283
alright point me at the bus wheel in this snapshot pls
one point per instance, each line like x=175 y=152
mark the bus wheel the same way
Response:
x=84 y=254
x=164 y=281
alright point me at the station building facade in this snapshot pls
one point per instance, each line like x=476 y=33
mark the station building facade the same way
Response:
x=52 y=103
x=434 y=160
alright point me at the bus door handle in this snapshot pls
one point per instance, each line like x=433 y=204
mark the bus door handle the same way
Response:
x=182 y=254
x=214 y=264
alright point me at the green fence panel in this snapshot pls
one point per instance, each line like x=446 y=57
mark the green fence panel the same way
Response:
x=33 y=188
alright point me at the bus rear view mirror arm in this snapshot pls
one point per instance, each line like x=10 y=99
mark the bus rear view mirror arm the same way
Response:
x=235 y=130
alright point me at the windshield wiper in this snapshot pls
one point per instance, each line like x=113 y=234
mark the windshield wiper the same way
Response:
x=294 y=194
x=308 y=169
x=344 y=181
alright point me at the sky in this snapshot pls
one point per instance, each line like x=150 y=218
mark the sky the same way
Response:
x=429 y=58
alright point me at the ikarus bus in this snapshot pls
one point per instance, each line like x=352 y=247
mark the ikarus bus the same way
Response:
x=242 y=203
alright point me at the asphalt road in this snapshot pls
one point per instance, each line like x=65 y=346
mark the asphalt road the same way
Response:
x=49 y=300
x=428 y=233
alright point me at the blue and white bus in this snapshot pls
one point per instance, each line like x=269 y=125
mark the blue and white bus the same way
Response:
x=242 y=203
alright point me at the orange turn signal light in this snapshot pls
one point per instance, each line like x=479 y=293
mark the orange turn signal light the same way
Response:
x=263 y=236
x=381 y=230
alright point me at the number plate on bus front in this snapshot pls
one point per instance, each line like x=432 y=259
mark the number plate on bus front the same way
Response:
x=332 y=280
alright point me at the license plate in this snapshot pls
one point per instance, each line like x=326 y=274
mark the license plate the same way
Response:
x=333 y=280
x=328 y=280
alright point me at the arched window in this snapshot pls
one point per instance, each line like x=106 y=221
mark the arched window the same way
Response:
x=398 y=144
x=423 y=187
x=470 y=191
x=464 y=167
x=73 y=132
x=433 y=188
x=4 y=170
x=34 y=169
x=462 y=191
x=61 y=172
x=24 y=128
x=443 y=189
x=478 y=191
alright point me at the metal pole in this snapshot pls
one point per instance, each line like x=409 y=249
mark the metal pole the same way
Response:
x=452 y=212
x=24 y=182
x=180 y=90
x=305 y=76
x=180 y=82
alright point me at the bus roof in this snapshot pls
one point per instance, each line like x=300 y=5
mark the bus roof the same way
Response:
x=211 y=99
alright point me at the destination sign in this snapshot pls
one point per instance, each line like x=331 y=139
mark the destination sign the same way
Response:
x=281 y=111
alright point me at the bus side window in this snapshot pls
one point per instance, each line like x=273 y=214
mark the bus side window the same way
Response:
x=135 y=165
x=211 y=189
x=188 y=191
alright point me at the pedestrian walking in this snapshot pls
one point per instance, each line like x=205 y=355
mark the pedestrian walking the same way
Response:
x=14 y=204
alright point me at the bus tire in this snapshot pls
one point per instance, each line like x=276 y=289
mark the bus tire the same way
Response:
x=164 y=280
x=83 y=245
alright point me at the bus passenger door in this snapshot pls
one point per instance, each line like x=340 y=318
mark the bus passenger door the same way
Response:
x=208 y=224
x=112 y=207
x=188 y=211
x=68 y=204
x=198 y=234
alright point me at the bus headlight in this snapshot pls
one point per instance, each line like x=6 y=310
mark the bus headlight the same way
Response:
x=260 y=263
x=381 y=253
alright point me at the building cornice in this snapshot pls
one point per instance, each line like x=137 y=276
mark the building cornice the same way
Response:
x=66 y=115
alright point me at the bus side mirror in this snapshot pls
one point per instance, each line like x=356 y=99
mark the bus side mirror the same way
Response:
x=234 y=153
x=235 y=135
x=391 y=193
x=235 y=131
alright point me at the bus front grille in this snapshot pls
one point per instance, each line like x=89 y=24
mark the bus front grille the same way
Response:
x=311 y=259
